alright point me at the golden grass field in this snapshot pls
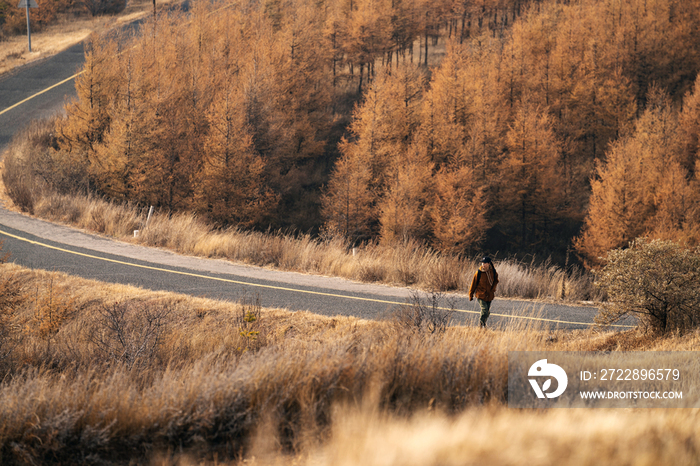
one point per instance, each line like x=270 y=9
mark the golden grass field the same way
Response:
x=230 y=383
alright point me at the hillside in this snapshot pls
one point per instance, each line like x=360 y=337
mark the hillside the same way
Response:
x=423 y=133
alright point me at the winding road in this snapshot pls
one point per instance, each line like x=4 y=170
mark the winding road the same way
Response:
x=40 y=90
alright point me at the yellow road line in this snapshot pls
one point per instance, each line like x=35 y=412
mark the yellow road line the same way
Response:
x=272 y=287
x=41 y=92
x=81 y=72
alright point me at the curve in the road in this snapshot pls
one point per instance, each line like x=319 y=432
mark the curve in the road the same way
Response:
x=322 y=295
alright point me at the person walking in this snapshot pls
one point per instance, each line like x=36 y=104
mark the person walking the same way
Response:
x=484 y=287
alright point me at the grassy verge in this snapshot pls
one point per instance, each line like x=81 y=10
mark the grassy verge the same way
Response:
x=496 y=435
x=110 y=374
x=407 y=264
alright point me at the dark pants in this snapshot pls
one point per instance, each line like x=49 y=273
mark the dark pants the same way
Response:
x=485 y=311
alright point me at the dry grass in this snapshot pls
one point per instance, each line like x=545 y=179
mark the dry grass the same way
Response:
x=407 y=264
x=292 y=388
x=92 y=214
x=491 y=435
x=500 y=436
x=285 y=386
x=546 y=281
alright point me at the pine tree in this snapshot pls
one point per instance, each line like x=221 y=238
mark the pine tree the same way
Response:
x=458 y=211
x=402 y=213
x=531 y=196
x=348 y=203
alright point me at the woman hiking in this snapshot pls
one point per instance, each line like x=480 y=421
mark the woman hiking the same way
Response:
x=484 y=287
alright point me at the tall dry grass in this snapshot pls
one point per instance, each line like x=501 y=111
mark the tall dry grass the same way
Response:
x=217 y=377
x=408 y=264
x=546 y=280
x=490 y=435
x=497 y=435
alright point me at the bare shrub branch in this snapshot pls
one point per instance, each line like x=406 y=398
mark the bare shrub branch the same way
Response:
x=424 y=314
x=129 y=333
x=657 y=281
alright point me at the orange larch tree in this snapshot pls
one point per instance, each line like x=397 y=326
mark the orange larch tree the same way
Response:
x=89 y=117
x=643 y=188
x=382 y=130
x=458 y=210
x=531 y=197
x=402 y=207
x=348 y=201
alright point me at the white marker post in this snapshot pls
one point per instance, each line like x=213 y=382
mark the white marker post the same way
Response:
x=27 y=4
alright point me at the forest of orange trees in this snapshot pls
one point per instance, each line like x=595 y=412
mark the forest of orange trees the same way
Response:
x=511 y=126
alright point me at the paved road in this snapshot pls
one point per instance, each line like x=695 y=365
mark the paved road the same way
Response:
x=43 y=245
x=37 y=244
x=29 y=80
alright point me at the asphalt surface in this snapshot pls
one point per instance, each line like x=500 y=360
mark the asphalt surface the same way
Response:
x=36 y=77
x=41 y=245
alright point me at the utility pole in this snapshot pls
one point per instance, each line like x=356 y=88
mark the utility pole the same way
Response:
x=27 y=4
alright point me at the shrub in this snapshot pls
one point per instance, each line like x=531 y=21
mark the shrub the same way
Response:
x=424 y=315
x=125 y=332
x=657 y=281
x=19 y=185
x=248 y=324
x=33 y=167
x=52 y=309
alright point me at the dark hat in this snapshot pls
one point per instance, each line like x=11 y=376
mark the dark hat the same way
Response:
x=486 y=259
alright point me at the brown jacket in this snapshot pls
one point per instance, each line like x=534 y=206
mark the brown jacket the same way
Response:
x=485 y=288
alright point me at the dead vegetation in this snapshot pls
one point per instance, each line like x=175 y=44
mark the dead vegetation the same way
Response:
x=125 y=375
